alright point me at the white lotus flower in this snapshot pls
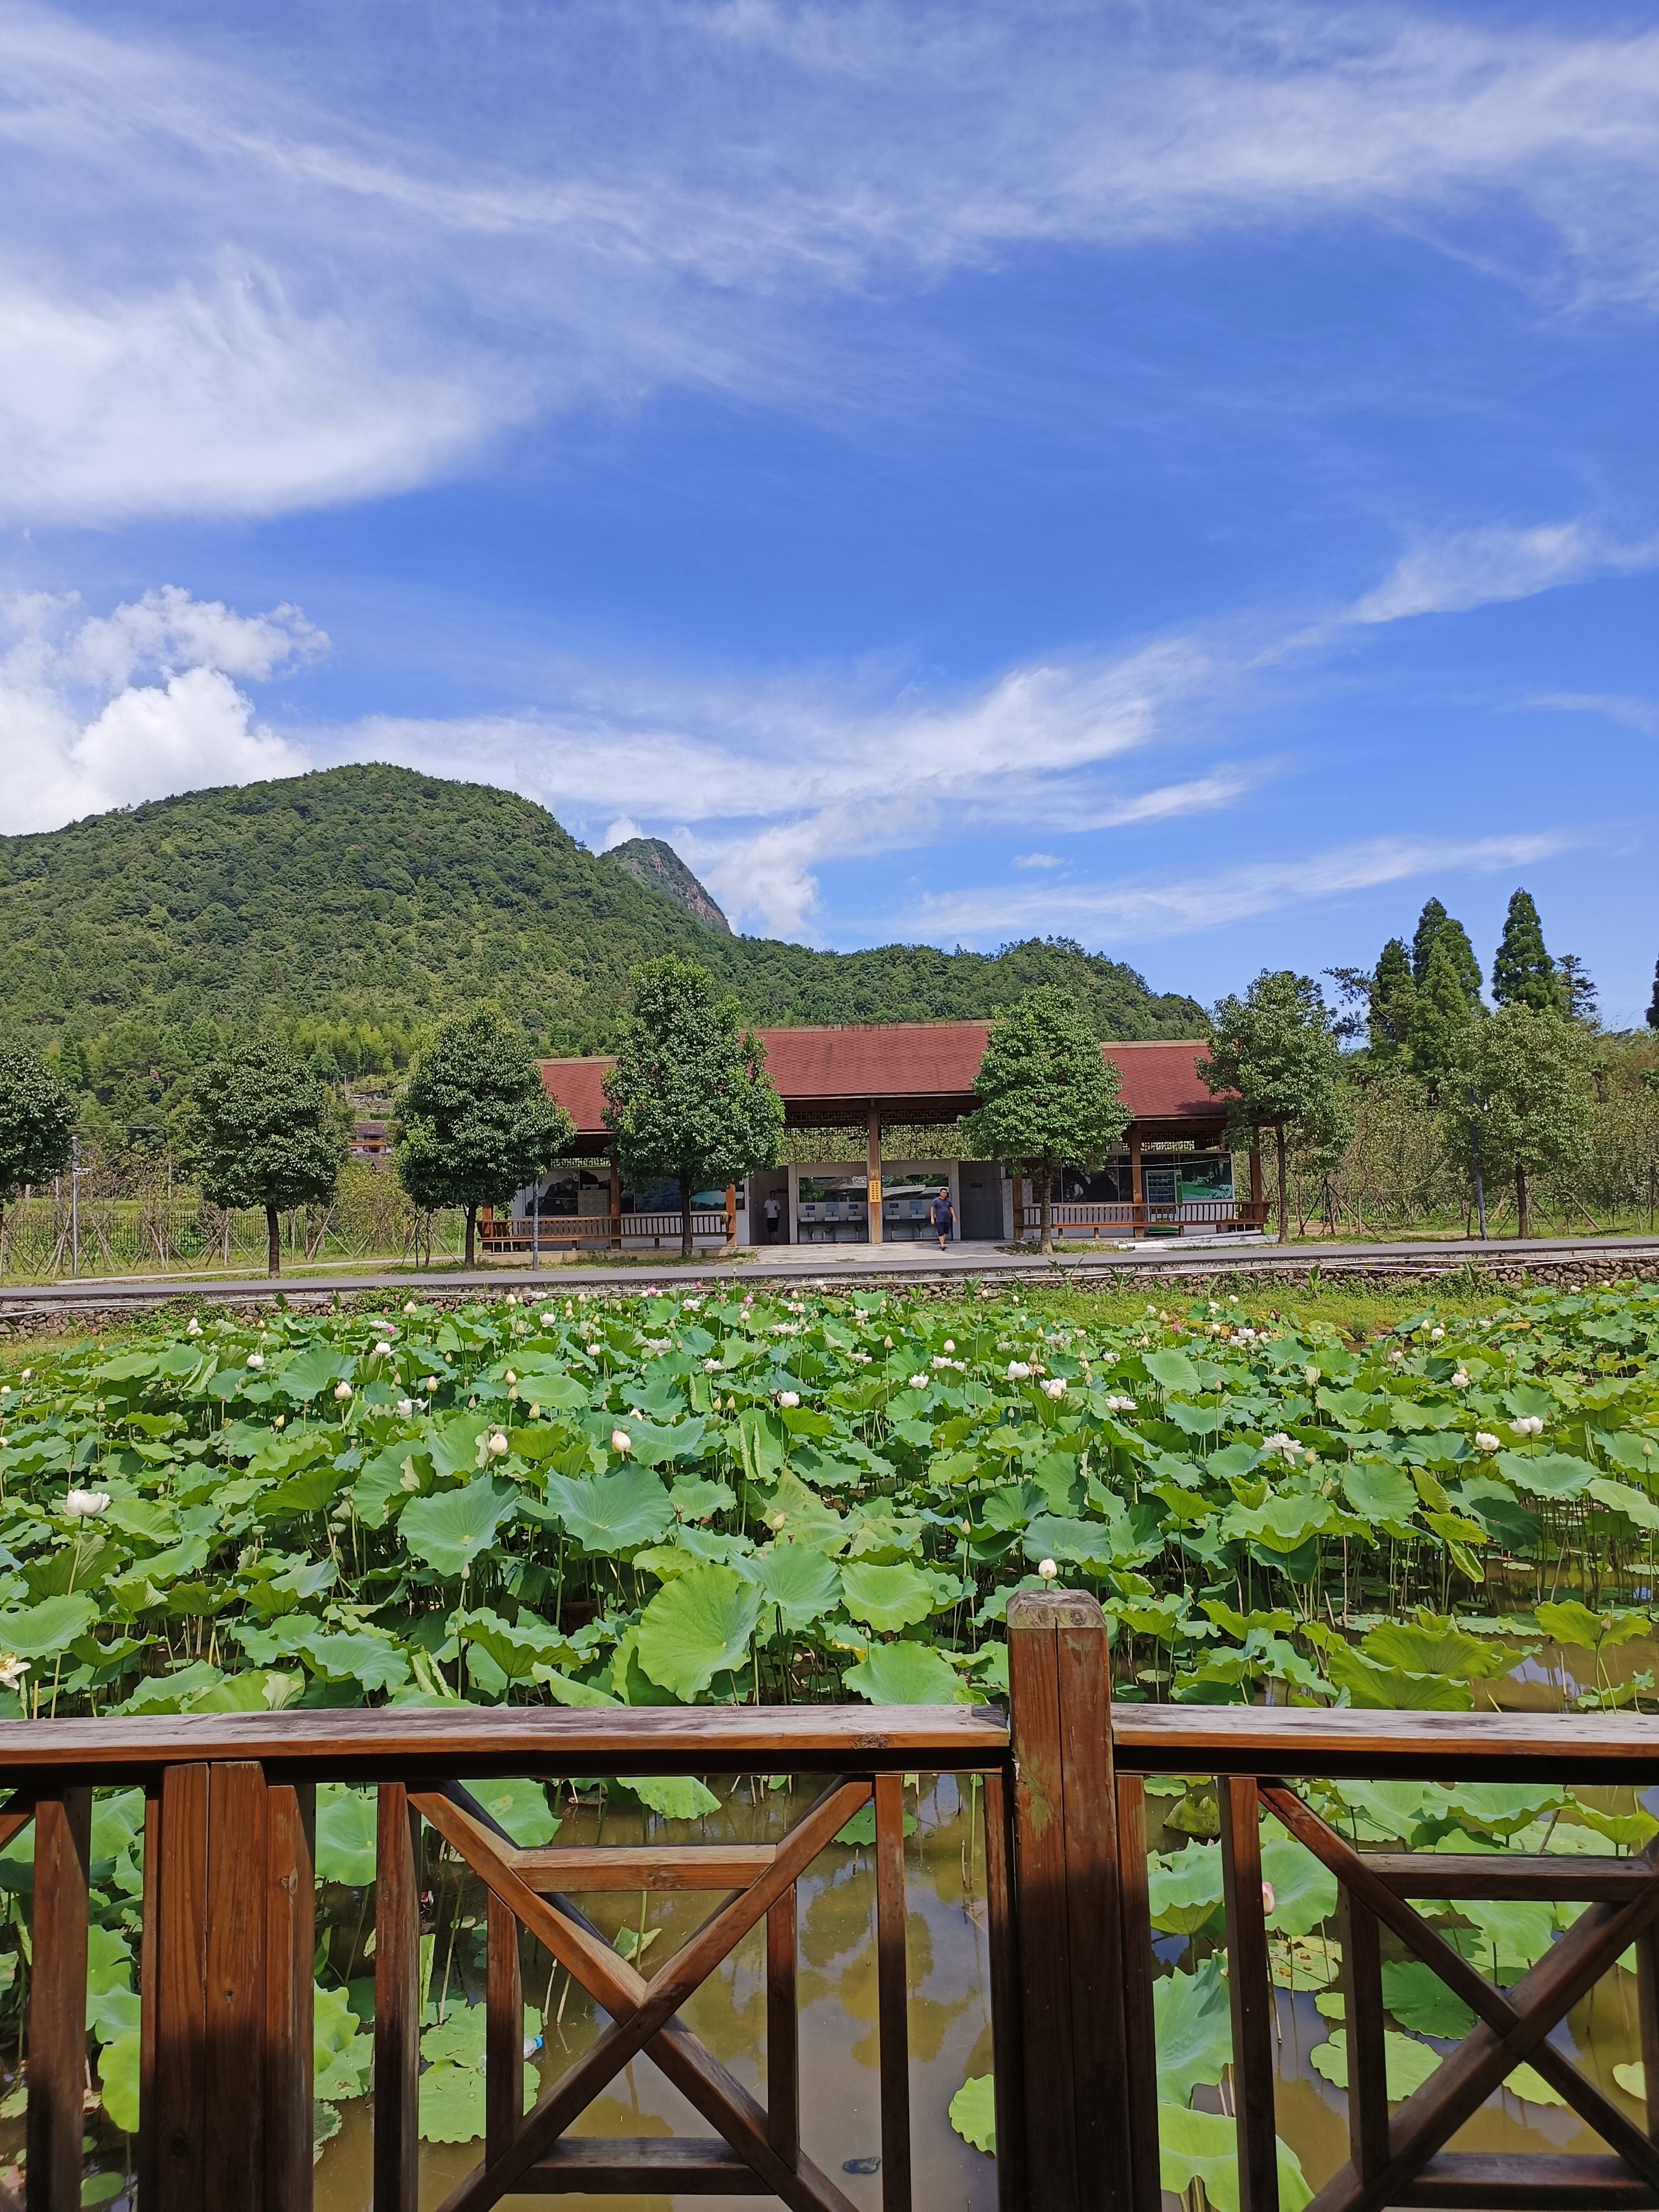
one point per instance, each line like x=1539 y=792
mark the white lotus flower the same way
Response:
x=410 y=1307
x=1397 y=1356
x=511 y=1376
x=405 y=1408
x=498 y=1443
x=547 y=1320
x=1310 y=1375
x=341 y=1392
x=1529 y=1425
x=195 y=1326
x=1281 y=1442
x=1055 y=1388
x=620 y=1441
x=949 y=1345
x=1048 y=1570
x=256 y=1359
x=1120 y=1405
x=917 y=1383
x=1486 y=1442
x=281 y=1421
x=1018 y=1371
x=85 y=1504
x=513 y=1297
x=430 y=1385
x=789 y=1398
x=5 y=1389
x=1461 y=1380
x=12 y=1671
x=1436 y=1334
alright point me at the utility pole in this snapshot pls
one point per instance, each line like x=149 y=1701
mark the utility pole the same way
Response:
x=1479 y=1180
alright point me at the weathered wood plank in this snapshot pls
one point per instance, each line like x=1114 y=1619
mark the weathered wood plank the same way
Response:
x=1647 y=2010
x=178 y=2115
x=397 y=2002
x=290 y=1942
x=1003 y=1940
x=57 y=2071
x=369 y=1745
x=1496 y=1875
x=1290 y=1740
x=503 y=2031
x=782 y=2030
x=1250 y=1993
x=148 y=2162
x=892 y=1995
x=681 y=2166
x=1527 y=2181
x=579 y=1871
x=1141 y=2037
x=1362 y=1994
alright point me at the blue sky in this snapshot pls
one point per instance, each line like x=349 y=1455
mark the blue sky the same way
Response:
x=1181 y=477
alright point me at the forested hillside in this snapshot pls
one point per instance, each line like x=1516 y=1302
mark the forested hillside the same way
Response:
x=352 y=908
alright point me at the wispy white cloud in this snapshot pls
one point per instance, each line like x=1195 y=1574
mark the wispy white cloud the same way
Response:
x=1641 y=714
x=1478 y=568
x=1141 y=909
x=1038 y=861
x=224 y=290
x=78 y=735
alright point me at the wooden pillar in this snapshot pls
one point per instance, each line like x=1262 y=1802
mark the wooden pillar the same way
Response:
x=616 y=1204
x=730 y=1217
x=57 y=2069
x=1078 y=2145
x=397 y=2004
x=1250 y=1993
x=873 y=1176
x=1137 y=1182
x=229 y=2074
x=892 y=1995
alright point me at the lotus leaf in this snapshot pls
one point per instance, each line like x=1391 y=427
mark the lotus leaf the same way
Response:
x=886 y=1598
x=369 y=1660
x=1195 y=2031
x=1434 y=1646
x=698 y=1627
x=612 y=1513
x=1569 y=1622
x=675 y=1796
x=1304 y=1893
x=521 y=1808
x=1392 y=1689
x=346 y=1834
x=800 y=1580
x=118 y=2066
x=1377 y=1492
x=1551 y=1474
x=1421 y=2001
x=1203 y=2147
x=906 y=1674
x=1173 y=1370
x=1635 y=1504
x=42 y=1630
x=973 y=2112
x=451 y=1531
x=1185 y=1889
x=1407 y=2063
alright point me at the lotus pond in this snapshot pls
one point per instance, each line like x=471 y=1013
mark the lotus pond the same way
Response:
x=644 y=1499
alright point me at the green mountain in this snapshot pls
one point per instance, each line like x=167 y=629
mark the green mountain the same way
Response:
x=660 y=868
x=351 y=909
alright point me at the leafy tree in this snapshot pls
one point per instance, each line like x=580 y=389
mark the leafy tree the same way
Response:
x=689 y=1096
x=1048 y=1099
x=1275 y=1052
x=1392 y=999
x=37 y=1123
x=1653 y=1003
x=1520 y=1103
x=1524 y=974
x=473 y=1124
x=264 y=1132
x=1434 y=927
x=1441 y=1012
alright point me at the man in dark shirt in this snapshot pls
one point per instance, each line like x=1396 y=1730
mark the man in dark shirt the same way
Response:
x=944 y=1215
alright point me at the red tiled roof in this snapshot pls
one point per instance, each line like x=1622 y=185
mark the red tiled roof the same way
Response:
x=911 y=1072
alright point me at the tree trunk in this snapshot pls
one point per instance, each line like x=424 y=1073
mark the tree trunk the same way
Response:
x=1284 y=1186
x=472 y=1235
x=1523 y=1203
x=1046 y=1213
x=685 y=1218
x=273 y=1243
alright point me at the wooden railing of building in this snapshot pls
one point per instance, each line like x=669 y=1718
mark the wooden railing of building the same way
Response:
x=229 y=1927
x=517 y=1233
x=1093 y=1217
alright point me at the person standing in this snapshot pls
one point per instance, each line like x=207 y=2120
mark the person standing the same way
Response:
x=944 y=1216
x=772 y=1212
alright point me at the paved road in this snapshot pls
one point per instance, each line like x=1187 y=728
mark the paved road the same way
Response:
x=844 y=1266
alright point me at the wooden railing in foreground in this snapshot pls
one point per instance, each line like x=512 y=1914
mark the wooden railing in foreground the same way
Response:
x=228 y=1912
x=229 y=1927
x=1082 y=1873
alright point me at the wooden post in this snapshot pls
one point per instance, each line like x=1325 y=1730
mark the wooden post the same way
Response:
x=290 y=1942
x=873 y=1176
x=1007 y=2074
x=1078 y=2141
x=782 y=2032
x=1251 y=1992
x=231 y=2028
x=1138 y=1970
x=892 y=1995
x=1137 y=1184
x=58 y=2002
x=503 y=2031
x=616 y=1204
x=730 y=1217
x=1019 y=1181
x=397 y=2004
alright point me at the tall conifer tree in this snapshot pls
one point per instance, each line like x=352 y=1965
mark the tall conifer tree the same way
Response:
x=1524 y=974
x=1436 y=926
x=1441 y=1013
